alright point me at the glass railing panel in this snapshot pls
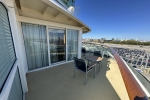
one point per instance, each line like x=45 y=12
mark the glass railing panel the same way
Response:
x=139 y=75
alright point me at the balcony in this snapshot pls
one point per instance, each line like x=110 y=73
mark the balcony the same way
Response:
x=57 y=83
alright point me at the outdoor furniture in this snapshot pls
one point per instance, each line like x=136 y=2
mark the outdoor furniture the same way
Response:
x=81 y=65
x=94 y=59
x=98 y=54
x=83 y=51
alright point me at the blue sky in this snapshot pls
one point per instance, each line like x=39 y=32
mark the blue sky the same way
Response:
x=116 y=18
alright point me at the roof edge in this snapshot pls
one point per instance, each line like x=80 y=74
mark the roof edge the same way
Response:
x=56 y=5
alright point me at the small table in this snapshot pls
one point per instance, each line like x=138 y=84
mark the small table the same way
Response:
x=93 y=59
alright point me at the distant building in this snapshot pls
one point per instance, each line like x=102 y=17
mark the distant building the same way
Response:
x=96 y=40
x=108 y=41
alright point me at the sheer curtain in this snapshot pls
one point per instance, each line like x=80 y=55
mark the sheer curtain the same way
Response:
x=72 y=43
x=35 y=40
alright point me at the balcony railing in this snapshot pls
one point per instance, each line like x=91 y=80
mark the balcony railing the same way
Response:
x=136 y=90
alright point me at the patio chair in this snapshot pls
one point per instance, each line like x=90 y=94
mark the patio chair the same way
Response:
x=99 y=54
x=83 y=51
x=81 y=65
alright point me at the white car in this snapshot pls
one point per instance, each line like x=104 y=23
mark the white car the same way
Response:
x=139 y=70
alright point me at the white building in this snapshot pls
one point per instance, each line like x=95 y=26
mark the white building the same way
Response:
x=34 y=35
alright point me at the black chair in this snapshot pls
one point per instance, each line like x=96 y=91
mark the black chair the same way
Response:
x=99 y=54
x=81 y=65
x=83 y=51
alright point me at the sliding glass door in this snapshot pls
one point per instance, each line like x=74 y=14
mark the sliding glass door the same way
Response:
x=57 y=44
x=35 y=40
x=44 y=49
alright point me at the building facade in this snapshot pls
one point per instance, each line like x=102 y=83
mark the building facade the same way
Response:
x=67 y=3
x=34 y=35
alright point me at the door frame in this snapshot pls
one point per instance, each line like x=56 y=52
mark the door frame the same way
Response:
x=66 y=53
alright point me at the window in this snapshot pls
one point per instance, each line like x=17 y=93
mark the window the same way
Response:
x=16 y=92
x=7 y=51
x=72 y=41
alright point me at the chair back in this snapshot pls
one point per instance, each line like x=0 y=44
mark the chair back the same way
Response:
x=83 y=50
x=80 y=64
x=97 y=53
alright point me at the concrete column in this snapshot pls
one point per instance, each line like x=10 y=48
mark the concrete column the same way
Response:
x=79 y=43
x=15 y=34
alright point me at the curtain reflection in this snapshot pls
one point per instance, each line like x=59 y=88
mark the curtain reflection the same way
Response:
x=35 y=40
x=72 y=43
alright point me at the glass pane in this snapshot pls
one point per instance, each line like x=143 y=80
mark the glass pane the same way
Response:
x=72 y=43
x=7 y=51
x=35 y=40
x=16 y=92
x=57 y=44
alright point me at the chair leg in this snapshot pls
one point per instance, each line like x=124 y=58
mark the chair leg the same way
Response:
x=85 y=78
x=99 y=67
x=74 y=72
x=94 y=72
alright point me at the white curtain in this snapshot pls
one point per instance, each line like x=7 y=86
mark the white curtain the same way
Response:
x=35 y=40
x=72 y=43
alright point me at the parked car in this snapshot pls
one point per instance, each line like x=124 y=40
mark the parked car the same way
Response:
x=139 y=63
x=138 y=70
x=129 y=61
x=134 y=67
x=144 y=63
x=134 y=62
x=140 y=59
x=148 y=64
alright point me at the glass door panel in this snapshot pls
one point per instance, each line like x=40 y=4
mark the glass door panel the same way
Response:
x=57 y=38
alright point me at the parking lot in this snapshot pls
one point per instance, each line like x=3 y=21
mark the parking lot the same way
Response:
x=136 y=58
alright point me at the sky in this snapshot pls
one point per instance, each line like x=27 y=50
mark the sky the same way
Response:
x=121 y=19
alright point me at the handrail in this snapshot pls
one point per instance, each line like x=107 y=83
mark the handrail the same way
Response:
x=134 y=90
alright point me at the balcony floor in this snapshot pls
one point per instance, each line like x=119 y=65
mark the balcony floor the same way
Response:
x=57 y=83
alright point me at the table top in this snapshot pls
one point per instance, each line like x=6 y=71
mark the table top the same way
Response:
x=93 y=58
